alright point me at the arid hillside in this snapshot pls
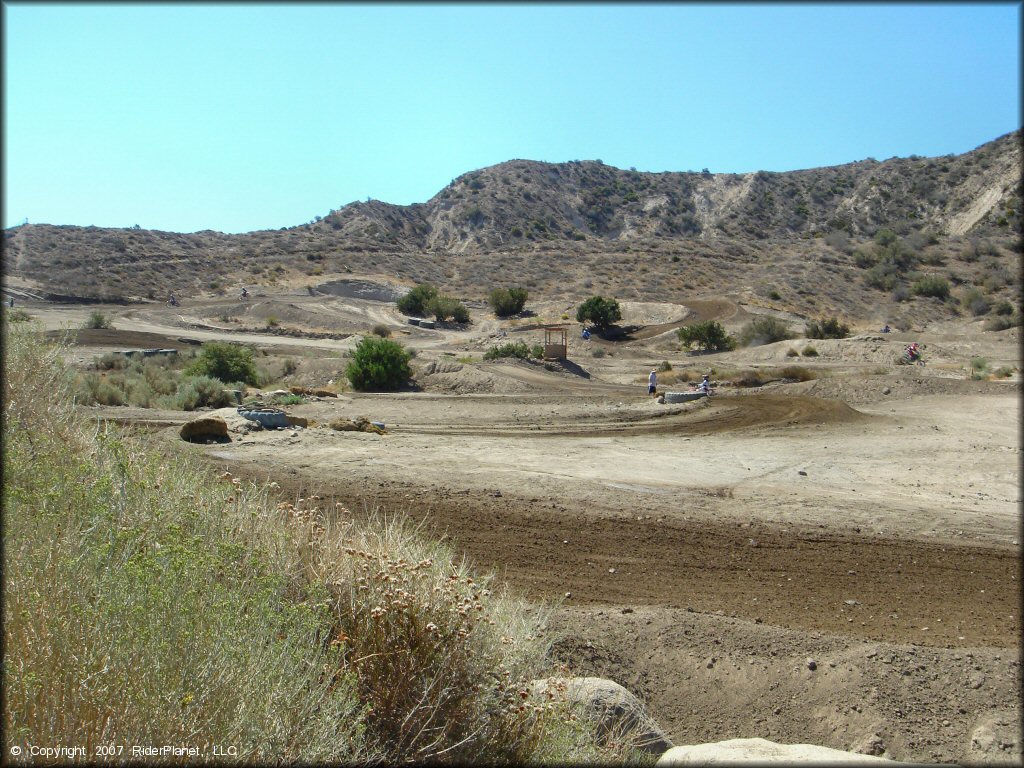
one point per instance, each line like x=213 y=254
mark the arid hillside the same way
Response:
x=812 y=242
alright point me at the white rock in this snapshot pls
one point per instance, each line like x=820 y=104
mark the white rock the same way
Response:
x=736 y=751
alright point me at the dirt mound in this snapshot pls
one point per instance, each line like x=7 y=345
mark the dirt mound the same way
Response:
x=112 y=337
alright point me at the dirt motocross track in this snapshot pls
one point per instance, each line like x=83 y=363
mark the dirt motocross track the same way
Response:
x=835 y=561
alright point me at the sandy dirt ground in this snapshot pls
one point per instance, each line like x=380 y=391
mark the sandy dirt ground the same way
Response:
x=834 y=561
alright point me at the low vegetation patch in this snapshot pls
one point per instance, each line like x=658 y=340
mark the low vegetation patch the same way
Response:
x=518 y=349
x=149 y=601
x=829 y=328
x=97 y=321
x=764 y=330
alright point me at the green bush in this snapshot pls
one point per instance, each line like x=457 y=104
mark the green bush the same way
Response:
x=97 y=321
x=708 y=335
x=1004 y=308
x=507 y=301
x=445 y=307
x=378 y=365
x=416 y=300
x=931 y=285
x=829 y=328
x=664 y=366
x=514 y=349
x=231 y=363
x=810 y=352
x=600 y=311
x=201 y=392
x=764 y=330
x=974 y=301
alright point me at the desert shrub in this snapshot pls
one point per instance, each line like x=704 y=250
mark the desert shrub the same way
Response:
x=1002 y=322
x=97 y=321
x=810 y=352
x=200 y=392
x=230 y=363
x=378 y=364
x=111 y=361
x=708 y=335
x=797 y=373
x=975 y=303
x=764 y=330
x=664 y=366
x=381 y=330
x=600 y=311
x=931 y=285
x=519 y=349
x=900 y=293
x=415 y=301
x=1003 y=372
x=881 y=277
x=979 y=368
x=791 y=352
x=829 y=328
x=445 y=307
x=597 y=352
x=750 y=378
x=1004 y=308
x=97 y=390
x=17 y=316
x=272 y=322
x=507 y=301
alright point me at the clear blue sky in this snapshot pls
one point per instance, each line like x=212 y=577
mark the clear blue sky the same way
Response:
x=238 y=117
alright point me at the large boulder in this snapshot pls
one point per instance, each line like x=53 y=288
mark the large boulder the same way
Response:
x=205 y=429
x=757 y=751
x=619 y=714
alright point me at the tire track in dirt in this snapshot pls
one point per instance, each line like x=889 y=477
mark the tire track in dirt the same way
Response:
x=874 y=588
x=721 y=414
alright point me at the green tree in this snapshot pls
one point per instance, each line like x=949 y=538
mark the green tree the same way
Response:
x=228 y=362
x=416 y=300
x=708 y=335
x=507 y=301
x=600 y=311
x=826 y=329
x=378 y=364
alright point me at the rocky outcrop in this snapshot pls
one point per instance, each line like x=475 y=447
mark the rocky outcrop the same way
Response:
x=758 y=751
x=619 y=714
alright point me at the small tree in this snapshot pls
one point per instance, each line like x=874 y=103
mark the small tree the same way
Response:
x=708 y=335
x=227 y=362
x=600 y=311
x=507 y=301
x=826 y=329
x=378 y=364
x=416 y=300
x=764 y=330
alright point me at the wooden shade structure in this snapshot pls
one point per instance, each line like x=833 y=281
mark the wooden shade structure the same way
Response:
x=556 y=340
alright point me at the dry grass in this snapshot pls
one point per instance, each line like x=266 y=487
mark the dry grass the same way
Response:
x=148 y=602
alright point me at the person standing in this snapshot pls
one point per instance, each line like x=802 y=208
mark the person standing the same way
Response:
x=652 y=382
